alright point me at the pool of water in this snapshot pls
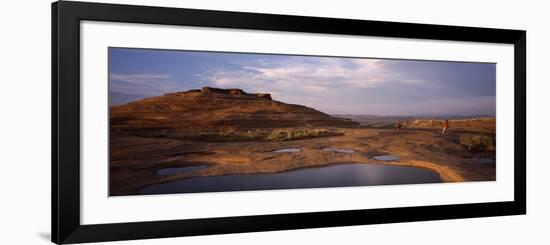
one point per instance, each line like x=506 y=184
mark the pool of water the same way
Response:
x=288 y=150
x=179 y=170
x=340 y=175
x=338 y=150
x=482 y=160
x=386 y=158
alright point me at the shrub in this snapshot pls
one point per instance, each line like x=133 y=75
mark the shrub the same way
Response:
x=250 y=135
x=276 y=135
x=296 y=134
x=477 y=142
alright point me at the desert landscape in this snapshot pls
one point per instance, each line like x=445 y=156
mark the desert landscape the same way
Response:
x=185 y=121
x=209 y=132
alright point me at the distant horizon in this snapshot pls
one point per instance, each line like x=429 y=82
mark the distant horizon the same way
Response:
x=339 y=114
x=419 y=115
x=332 y=85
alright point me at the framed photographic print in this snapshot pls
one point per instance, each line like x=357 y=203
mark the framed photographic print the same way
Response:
x=177 y=122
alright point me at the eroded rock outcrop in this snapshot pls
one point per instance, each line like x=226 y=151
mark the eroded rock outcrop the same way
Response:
x=213 y=108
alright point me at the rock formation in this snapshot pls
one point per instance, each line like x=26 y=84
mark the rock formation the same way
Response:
x=213 y=108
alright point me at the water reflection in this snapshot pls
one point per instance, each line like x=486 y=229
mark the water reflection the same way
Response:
x=338 y=150
x=348 y=174
x=386 y=158
x=288 y=150
x=482 y=160
x=179 y=170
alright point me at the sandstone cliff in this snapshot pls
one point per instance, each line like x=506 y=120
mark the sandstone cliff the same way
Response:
x=215 y=108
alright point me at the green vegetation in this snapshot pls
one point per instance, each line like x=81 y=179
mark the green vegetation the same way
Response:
x=297 y=134
x=250 y=135
x=232 y=135
x=478 y=143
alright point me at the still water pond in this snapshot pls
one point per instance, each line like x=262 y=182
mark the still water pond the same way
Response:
x=349 y=174
x=288 y=150
x=482 y=160
x=179 y=170
x=386 y=158
x=338 y=150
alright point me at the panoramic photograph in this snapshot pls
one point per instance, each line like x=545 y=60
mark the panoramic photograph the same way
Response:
x=204 y=121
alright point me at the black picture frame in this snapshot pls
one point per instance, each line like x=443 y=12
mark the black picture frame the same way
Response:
x=66 y=17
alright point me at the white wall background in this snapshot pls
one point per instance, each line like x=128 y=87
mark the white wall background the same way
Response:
x=25 y=121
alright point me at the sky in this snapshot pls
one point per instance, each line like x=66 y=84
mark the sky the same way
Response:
x=334 y=85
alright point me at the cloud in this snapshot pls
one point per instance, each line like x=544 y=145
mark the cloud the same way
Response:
x=141 y=85
x=309 y=74
x=330 y=84
x=139 y=78
x=484 y=105
x=307 y=80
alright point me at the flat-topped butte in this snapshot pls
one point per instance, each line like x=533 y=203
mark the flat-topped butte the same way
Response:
x=215 y=109
x=229 y=91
